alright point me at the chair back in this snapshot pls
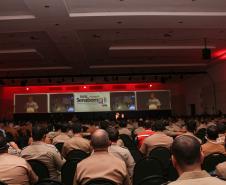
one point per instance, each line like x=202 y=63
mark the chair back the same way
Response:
x=3 y=183
x=137 y=155
x=59 y=146
x=163 y=155
x=146 y=167
x=48 y=182
x=77 y=154
x=101 y=181
x=212 y=160
x=153 y=180
x=128 y=142
x=39 y=168
x=68 y=171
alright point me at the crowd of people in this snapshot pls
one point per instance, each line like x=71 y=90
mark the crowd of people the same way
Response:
x=190 y=140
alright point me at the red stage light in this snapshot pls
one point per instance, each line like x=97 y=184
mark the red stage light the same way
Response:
x=150 y=85
x=84 y=87
x=27 y=88
x=220 y=54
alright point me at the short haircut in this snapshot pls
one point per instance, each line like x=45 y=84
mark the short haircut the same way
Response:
x=221 y=128
x=77 y=128
x=191 y=126
x=100 y=139
x=186 y=150
x=63 y=127
x=158 y=126
x=104 y=125
x=38 y=133
x=212 y=132
x=122 y=123
x=113 y=134
x=3 y=143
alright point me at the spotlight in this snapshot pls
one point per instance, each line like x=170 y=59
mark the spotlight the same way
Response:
x=84 y=87
x=150 y=85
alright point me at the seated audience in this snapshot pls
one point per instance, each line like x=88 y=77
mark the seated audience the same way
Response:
x=221 y=127
x=191 y=126
x=46 y=153
x=187 y=159
x=144 y=134
x=123 y=128
x=62 y=135
x=14 y=170
x=120 y=152
x=212 y=146
x=92 y=128
x=140 y=127
x=101 y=164
x=76 y=142
x=159 y=138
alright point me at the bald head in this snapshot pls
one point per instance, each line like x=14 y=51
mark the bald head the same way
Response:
x=100 y=139
x=187 y=151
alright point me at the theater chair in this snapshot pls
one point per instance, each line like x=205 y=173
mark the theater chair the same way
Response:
x=68 y=171
x=39 y=168
x=101 y=181
x=211 y=161
x=77 y=154
x=153 y=180
x=48 y=182
x=163 y=155
x=2 y=183
x=145 y=168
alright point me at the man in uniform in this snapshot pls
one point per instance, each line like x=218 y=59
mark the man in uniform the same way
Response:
x=62 y=136
x=101 y=164
x=153 y=102
x=157 y=139
x=120 y=152
x=14 y=170
x=76 y=142
x=46 y=153
x=187 y=159
x=212 y=146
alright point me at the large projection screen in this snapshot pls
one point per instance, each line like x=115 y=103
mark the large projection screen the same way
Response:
x=92 y=101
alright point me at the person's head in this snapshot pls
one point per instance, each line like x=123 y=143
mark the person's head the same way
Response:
x=104 y=125
x=30 y=98
x=38 y=133
x=212 y=132
x=3 y=143
x=186 y=154
x=158 y=126
x=100 y=140
x=191 y=126
x=77 y=128
x=63 y=127
x=113 y=134
x=221 y=127
x=123 y=123
x=152 y=95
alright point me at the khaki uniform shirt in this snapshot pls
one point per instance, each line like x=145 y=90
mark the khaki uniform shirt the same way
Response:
x=46 y=153
x=61 y=138
x=138 y=130
x=101 y=164
x=156 y=140
x=197 y=178
x=16 y=171
x=125 y=131
x=76 y=142
x=221 y=170
x=124 y=154
x=212 y=147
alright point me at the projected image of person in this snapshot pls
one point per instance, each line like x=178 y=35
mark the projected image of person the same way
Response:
x=31 y=106
x=61 y=103
x=153 y=102
x=123 y=102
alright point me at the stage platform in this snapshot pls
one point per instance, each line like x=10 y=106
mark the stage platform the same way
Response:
x=89 y=116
